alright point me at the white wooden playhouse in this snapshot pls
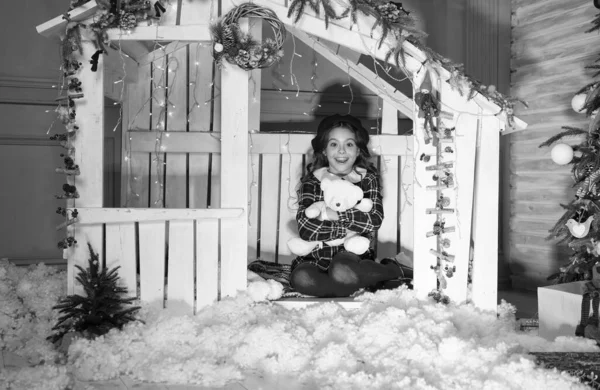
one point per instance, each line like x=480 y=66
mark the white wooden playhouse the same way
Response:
x=205 y=193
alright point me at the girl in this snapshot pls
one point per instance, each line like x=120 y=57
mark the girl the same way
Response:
x=340 y=148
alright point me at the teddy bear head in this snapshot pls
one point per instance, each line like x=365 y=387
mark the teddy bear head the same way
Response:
x=340 y=195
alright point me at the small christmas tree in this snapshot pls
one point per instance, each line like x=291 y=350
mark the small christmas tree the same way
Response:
x=100 y=310
x=579 y=227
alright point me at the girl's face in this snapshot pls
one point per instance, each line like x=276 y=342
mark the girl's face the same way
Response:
x=341 y=150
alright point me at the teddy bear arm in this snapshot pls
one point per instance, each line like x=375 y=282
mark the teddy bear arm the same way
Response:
x=315 y=209
x=365 y=205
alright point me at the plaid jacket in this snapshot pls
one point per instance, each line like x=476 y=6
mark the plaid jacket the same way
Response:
x=365 y=224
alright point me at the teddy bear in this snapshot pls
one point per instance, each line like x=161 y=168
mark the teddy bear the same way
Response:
x=339 y=195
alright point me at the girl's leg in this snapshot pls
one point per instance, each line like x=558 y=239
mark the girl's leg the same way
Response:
x=309 y=279
x=348 y=269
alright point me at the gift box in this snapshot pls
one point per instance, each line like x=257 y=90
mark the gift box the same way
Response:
x=559 y=309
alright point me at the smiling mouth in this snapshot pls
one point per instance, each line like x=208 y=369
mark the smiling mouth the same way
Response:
x=341 y=160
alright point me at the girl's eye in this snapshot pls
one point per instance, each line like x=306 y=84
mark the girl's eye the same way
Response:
x=350 y=144
x=333 y=144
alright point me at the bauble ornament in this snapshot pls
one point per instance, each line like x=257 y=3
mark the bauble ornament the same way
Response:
x=218 y=47
x=578 y=102
x=561 y=154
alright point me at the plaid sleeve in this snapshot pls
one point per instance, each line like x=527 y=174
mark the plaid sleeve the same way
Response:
x=315 y=229
x=362 y=222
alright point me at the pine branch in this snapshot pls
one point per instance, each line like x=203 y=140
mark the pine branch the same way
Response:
x=570 y=131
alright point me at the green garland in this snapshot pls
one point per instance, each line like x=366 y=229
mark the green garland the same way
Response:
x=394 y=20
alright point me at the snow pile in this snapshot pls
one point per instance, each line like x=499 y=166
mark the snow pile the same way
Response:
x=43 y=377
x=260 y=289
x=26 y=316
x=394 y=341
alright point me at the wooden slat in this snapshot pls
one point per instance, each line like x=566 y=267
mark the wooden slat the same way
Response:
x=120 y=252
x=269 y=207
x=55 y=28
x=485 y=216
x=199 y=119
x=98 y=215
x=180 y=284
x=387 y=236
x=262 y=143
x=215 y=180
x=189 y=33
x=234 y=173
x=291 y=172
x=194 y=12
x=176 y=168
x=464 y=157
x=160 y=105
x=89 y=156
x=424 y=280
x=405 y=207
x=152 y=262
x=137 y=166
x=253 y=207
x=207 y=262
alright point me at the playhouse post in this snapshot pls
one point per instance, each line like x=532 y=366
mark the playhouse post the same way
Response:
x=89 y=155
x=234 y=177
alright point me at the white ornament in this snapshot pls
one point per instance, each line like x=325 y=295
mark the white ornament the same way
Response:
x=218 y=47
x=562 y=154
x=578 y=102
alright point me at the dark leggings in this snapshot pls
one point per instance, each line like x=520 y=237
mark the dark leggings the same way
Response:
x=347 y=273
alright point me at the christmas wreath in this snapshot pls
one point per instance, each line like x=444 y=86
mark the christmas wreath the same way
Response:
x=239 y=48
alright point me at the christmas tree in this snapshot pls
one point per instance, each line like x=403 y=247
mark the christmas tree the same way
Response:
x=100 y=310
x=579 y=227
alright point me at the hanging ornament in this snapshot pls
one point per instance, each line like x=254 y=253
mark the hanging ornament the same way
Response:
x=579 y=230
x=578 y=103
x=561 y=154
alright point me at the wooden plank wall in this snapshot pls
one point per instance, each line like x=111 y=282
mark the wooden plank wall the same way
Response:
x=549 y=52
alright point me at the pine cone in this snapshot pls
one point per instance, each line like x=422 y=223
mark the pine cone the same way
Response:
x=127 y=21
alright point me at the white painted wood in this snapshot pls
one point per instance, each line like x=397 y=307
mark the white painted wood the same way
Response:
x=170 y=16
x=199 y=119
x=215 y=180
x=152 y=262
x=405 y=206
x=262 y=143
x=269 y=207
x=207 y=262
x=359 y=73
x=137 y=167
x=197 y=12
x=234 y=173
x=160 y=52
x=89 y=156
x=160 y=105
x=387 y=236
x=189 y=33
x=424 y=280
x=176 y=120
x=485 y=216
x=55 y=28
x=462 y=195
x=98 y=215
x=291 y=173
x=200 y=89
x=253 y=206
x=180 y=282
x=120 y=252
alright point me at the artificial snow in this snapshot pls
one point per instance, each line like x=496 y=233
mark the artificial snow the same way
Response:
x=394 y=340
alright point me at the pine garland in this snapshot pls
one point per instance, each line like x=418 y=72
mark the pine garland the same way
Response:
x=100 y=310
